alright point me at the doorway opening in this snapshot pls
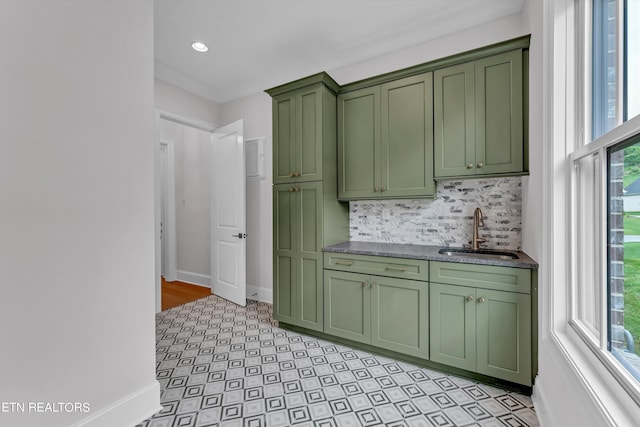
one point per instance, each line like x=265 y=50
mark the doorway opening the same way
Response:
x=192 y=208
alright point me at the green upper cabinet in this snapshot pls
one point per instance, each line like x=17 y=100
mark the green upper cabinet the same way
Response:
x=297 y=124
x=301 y=126
x=478 y=113
x=385 y=140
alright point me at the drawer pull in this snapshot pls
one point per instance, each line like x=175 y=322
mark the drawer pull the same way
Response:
x=347 y=263
x=392 y=268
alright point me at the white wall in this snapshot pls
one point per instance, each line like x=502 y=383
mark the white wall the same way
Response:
x=176 y=100
x=192 y=183
x=76 y=210
x=256 y=112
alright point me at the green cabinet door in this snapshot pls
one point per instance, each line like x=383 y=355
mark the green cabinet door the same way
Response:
x=285 y=253
x=284 y=137
x=454 y=120
x=499 y=131
x=406 y=154
x=452 y=319
x=309 y=134
x=297 y=135
x=347 y=307
x=298 y=286
x=309 y=291
x=400 y=315
x=504 y=335
x=359 y=144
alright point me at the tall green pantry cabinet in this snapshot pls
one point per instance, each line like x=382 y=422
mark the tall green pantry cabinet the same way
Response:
x=306 y=213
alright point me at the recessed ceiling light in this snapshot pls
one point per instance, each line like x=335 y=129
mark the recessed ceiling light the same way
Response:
x=199 y=47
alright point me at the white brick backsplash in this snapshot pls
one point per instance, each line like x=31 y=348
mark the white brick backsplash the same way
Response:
x=446 y=220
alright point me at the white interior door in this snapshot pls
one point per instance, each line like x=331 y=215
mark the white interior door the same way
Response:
x=228 y=214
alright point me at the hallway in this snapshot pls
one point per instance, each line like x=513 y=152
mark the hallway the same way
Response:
x=177 y=293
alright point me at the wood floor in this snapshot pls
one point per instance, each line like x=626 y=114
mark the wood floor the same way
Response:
x=178 y=293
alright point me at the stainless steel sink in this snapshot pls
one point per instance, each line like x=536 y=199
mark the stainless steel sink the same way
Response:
x=481 y=253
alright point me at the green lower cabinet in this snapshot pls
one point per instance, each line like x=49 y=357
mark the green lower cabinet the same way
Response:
x=453 y=325
x=347 y=308
x=481 y=330
x=504 y=335
x=400 y=316
x=385 y=312
x=284 y=293
x=298 y=286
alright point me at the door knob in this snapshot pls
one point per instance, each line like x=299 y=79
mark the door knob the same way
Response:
x=240 y=235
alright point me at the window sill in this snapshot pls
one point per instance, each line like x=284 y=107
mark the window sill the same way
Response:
x=612 y=401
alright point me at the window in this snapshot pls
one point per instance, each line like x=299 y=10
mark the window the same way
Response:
x=605 y=266
x=615 y=63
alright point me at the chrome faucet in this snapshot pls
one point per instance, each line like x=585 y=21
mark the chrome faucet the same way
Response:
x=477 y=222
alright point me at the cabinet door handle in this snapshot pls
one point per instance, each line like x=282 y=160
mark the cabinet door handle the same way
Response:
x=384 y=189
x=290 y=174
x=392 y=268
x=375 y=190
x=481 y=300
x=297 y=188
x=480 y=165
x=347 y=263
x=469 y=165
x=296 y=174
x=469 y=298
x=292 y=189
x=365 y=284
x=374 y=284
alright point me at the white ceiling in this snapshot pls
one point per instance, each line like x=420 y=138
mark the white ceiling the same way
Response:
x=258 y=44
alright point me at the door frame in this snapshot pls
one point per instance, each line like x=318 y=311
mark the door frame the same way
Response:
x=168 y=229
x=184 y=120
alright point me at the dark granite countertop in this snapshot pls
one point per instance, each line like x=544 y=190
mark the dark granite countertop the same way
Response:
x=430 y=253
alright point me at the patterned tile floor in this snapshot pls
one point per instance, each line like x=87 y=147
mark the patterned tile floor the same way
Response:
x=219 y=364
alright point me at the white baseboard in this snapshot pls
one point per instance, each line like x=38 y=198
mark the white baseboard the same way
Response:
x=260 y=294
x=538 y=398
x=253 y=292
x=128 y=411
x=194 y=278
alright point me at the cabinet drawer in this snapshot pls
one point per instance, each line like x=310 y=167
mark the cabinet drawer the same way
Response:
x=382 y=266
x=481 y=276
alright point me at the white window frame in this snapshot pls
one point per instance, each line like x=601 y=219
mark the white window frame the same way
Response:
x=582 y=148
